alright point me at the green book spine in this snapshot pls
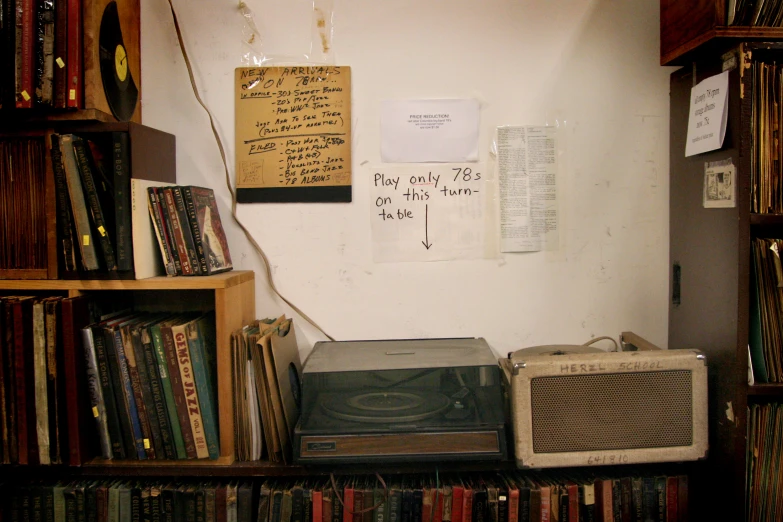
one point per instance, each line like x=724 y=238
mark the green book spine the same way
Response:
x=168 y=392
x=199 y=340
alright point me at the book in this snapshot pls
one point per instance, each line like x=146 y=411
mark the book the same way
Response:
x=122 y=199
x=117 y=421
x=187 y=376
x=167 y=388
x=84 y=238
x=44 y=53
x=168 y=255
x=201 y=343
x=170 y=349
x=27 y=440
x=74 y=65
x=65 y=237
x=96 y=194
x=171 y=214
x=207 y=229
x=96 y=395
x=25 y=54
x=81 y=441
x=54 y=378
x=132 y=338
x=123 y=345
x=59 y=81
x=40 y=384
x=156 y=390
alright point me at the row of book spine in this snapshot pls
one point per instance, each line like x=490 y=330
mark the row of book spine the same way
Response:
x=42 y=399
x=189 y=231
x=41 y=59
x=152 y=385
x=502 y=497
x=92 y=184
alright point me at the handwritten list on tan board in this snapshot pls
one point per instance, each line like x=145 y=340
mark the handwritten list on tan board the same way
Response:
x=293 y=127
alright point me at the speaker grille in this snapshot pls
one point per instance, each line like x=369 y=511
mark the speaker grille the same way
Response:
x=612 y=411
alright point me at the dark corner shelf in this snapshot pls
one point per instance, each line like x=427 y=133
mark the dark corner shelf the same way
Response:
x=716 y=40
x=765 y=390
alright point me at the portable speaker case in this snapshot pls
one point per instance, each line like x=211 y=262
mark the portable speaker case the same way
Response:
x=584 y=409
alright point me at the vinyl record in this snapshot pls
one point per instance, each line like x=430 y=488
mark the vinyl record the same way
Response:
x=118 y=85
x=384 y=406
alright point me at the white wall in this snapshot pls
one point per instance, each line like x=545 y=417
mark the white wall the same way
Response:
x=590 y=65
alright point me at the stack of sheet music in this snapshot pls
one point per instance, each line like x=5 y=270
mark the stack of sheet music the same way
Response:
x=767 y=113
x=267 y=371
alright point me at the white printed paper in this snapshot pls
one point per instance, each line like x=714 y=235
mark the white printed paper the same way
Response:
x=720 y=185
x=417 y=131
x=427 y=212
x=708 y=115
x=527 y=172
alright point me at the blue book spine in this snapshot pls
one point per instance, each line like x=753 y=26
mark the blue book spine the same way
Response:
x=197 y=343
x=138 y=437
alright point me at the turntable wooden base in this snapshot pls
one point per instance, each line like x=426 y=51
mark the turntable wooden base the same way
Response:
x=472 y=445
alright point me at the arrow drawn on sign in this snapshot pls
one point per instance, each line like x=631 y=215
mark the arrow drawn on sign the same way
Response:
x=426 y=241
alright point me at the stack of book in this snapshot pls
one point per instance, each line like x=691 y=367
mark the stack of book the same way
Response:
x=764 y=463
x=498 y=497
x=766 y=305
x=22 y=204
x=152 y=385
x=43 y=402
x=189 y=231
x=766 y=145
x=265 y=411
x=92 y=184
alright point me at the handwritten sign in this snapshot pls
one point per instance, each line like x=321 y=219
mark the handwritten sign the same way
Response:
x=708 y=115
x=293 y=131
x=427 y=212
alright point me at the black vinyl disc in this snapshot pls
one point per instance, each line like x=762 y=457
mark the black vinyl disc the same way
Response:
x=118 y=85
x=385 y=406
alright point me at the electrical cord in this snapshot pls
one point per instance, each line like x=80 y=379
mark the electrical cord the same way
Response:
x=219 y=142
x=605 y=337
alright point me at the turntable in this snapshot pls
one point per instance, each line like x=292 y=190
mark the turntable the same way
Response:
x=391 y=401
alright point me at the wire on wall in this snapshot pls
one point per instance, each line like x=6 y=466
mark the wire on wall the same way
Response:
x=219 y=142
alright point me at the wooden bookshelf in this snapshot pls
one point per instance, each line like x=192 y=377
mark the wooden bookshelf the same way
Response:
x=230 y=294
x=691 y=29
x=766 y=390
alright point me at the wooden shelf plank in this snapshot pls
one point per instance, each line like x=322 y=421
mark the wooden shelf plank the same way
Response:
x=217 y=281
x=766 y=219
x=42 y=116
x=718 y=39
x=765 y=390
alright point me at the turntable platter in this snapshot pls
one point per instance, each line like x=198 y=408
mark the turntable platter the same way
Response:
x=385 y=406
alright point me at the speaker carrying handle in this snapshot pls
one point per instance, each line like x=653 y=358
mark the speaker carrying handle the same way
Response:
x=630 y=342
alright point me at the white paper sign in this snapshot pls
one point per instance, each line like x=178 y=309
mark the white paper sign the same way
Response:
x=427 y=212
x=527 y=172
x=417 y=131
x=708 y=115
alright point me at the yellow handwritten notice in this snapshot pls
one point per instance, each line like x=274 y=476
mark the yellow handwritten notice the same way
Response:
x=293 y=126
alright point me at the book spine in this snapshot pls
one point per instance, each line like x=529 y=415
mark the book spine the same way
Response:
x=20 y=392
x=617 y=509
x=129 y=395
x=296 y=504
x=189 y=386
x=682 y=499
x=60 y=49
x=170 y=348
x=74 y=79
x=337 y=506
x=74 y=316
x=108 y=373
x=40 y=381
x=122 y=200
x=69 y=495
x=192 y=220
x=627 y=501
x=204 y=387
x=91 y=501
x=138 y=408
x=660 y=498
x=417 y=506
x=160 y=231
x=395 y=505
x=78 y=205
x=648 y=499
x=168 y=392
x=264 y=497
x=145 y=386
x=513 y=506
x=53 y=384
x=210 y=494
x=172 y=218
x=135 y=503
x=479 y=509
x=168 y=230
x=186 y=230
x=201 y=510
x=167 y=504
x=64 y=219
x=671 y=499
x=86 y=168
x=318 y=506
x=158 y=399
x=524 y=504
x=44 y=67
x=348 y=501
x=25 y=91
x=96 y=395
x=638 y=500
x=6 y=386
x=102 y=501
x=457 y=497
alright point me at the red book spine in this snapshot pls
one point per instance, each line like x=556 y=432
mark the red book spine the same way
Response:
x=73 y=64
x=318 y=508
x=74 y=318
x=437 y=494
x=606 y=496
x=358 y=498
x=457 y=501
x=24 y=98
x=21 y=391
x=328 y=507
x=672 y=488
x=179 y=239
x=546 y=503
x=347 y=504
x=573 y=502
x=513 y=505
x=426 y=504
x=467 y=505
